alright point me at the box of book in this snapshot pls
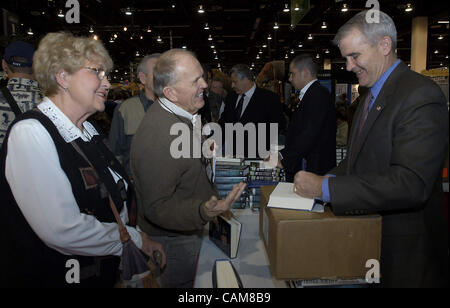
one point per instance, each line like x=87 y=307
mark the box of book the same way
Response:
x=307 y=245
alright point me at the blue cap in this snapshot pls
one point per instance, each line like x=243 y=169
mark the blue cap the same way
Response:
x=22 y=50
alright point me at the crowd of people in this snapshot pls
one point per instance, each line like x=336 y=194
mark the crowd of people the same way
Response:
x=61 y=173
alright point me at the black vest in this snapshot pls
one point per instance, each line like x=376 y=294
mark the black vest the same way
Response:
x=26 y=261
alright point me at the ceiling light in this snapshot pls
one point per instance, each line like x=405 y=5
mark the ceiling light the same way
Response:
x=327 y=51
x=443 y=22
x=214 y=51
x=91 y=29
x=206 y=26
x=173 y=6
x=408 y=8
x=95 y=37
x=216 y=57
x=292 y=51
x=344 y=8
x=276 y=26
x=184 y=47
x=260 y=51
x=125 y=29
x=212 y=46
x=30 y=32
x=446 y=56
x=264 y=46
x=436 y=51
x=286 y=8
x=115 y=35
x=128 y=12
x=60 y=14
x=210 y=38
x=324 y=25
x=201 y=10
x=257 y=57
x=269 y=37
x=137 y=53
x=111 y=39
x=310 y=37
x=317 y=56
x=300 y=45
x=440 y=37
x=141 y=37
x=253 y=64
x=149 y=30
x=296 y=8
x=159 y=40
x=286 y=56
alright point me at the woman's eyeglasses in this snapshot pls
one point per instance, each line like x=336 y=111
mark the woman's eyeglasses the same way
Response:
x=99 y=71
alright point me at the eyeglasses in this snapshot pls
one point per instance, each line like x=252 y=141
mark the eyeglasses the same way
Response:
x=98 y=71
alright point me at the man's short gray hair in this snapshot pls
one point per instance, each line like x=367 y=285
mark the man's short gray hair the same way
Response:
x=242 y=71
x=165 y=72
x=373 y=32
x=142 y=67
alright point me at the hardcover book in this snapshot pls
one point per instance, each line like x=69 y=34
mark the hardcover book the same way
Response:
x=225 y=233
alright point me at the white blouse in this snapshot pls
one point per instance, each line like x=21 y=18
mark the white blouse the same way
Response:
x=44 y=193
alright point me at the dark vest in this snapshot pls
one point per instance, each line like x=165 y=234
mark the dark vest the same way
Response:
x=25 y=259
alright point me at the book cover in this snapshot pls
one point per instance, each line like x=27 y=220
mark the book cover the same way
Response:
x=225 y=233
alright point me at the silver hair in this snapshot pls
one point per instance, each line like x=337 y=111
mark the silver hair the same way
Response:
x=242 y=71
x=373 y=32
x=165 y=71
x=142 y=67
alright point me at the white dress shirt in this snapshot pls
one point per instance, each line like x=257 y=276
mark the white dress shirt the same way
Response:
x=247 y=98
x=303 y=91
x=44 y=193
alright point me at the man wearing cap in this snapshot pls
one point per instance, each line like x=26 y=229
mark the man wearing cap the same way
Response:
x=22 y=91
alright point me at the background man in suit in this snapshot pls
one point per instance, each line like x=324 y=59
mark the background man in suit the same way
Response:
x=250 y=104
x=394 y=164
x=311 y=137
x=175 y=195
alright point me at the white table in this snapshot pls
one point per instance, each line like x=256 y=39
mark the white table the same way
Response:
x=251 y=262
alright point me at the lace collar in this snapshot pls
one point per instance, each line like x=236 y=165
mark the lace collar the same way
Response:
x=65 y=127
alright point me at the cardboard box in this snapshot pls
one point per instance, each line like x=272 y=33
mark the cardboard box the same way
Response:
x=305 y=245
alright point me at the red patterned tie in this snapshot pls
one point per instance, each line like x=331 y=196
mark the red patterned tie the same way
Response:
x=365 y=112
x=362 y=120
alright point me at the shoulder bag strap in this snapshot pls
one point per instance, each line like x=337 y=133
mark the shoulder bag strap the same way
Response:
x=11 y=101
x=124 y=235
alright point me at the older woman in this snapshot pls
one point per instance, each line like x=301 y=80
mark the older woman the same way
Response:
x=58 y=176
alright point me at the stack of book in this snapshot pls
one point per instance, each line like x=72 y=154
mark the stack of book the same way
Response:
x=341 y=153
x=261 y=176
x=229 y=172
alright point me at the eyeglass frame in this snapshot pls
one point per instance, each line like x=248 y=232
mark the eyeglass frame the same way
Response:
x=100 y=72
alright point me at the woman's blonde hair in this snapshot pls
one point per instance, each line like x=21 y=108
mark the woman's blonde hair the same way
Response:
x=64 y=51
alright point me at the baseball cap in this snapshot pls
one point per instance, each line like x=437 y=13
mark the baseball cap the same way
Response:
x=22 y=50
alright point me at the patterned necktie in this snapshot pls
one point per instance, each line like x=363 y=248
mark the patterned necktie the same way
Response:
x=362 y=120
x=239 y=107
x=365 y=112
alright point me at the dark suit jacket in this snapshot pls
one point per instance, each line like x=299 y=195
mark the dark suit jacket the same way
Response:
x=264 y=107
x=397 y=172
x=311 y=134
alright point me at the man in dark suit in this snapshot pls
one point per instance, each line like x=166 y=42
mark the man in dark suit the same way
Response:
x=394 y=164
x=311 y=137
x=249 y=104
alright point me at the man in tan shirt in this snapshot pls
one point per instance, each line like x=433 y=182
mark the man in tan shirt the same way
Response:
x=175 y=195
